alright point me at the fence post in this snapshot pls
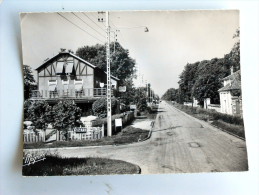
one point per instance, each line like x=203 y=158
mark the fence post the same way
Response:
x=57 y=135
x=102 y=130
x=43 y=137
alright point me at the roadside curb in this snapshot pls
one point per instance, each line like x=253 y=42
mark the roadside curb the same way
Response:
x=90 y=147
x=150 y=132
x=208 y=125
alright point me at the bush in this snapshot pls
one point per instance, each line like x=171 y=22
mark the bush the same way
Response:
x=213 y=115
x=99 y=107
x=235 y=129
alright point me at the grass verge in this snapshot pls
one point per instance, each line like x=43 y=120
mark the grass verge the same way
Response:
x=232 y=124
x=54 y=165
x=126 y=136
x=235 y=129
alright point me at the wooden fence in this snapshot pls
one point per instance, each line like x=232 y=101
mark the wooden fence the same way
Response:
x=31 y=136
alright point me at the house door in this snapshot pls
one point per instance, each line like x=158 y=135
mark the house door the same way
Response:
x=237 y=107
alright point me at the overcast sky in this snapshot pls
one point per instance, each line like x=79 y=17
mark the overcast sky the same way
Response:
x=175 y=38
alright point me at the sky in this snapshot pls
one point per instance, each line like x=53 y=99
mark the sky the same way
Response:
x=174 y=39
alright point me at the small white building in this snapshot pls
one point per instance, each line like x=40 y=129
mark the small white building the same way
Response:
x=230 y=94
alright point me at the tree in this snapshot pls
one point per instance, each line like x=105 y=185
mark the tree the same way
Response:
x=99 y=107
x=122 y=65
x=66 y=116
x=29 y=81
x=170 y=95
x=39 y=113
x=209 y=79
x=140 y=99
x=234 y=55
x=187 y=80
x=203 y=79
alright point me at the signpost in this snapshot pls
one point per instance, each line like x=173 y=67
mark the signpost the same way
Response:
x=122 y=89
x=118 y=123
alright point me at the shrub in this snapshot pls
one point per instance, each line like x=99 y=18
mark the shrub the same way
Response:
x=213 y=115
x=38 y=112
x=66 y=115
x=99 y=107
x=235 y=129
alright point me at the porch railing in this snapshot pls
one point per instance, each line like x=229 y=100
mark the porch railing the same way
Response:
x=70 y=93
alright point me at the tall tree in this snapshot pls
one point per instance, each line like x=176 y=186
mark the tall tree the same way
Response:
x=29 y=81
x=187 y=81
x=170 y=95
x=209 y=79
x=122 y=65
x=140 y=98
x=203 y=79
x=67 y=115
x=234 y=55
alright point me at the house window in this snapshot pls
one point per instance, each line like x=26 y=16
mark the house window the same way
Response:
x=52 y=85
x=69 y=67
x=78 y=84
x=60 y=68
x=65 y=67
x=65 y=84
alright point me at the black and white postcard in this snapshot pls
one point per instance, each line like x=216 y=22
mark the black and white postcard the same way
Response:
x=132 y=92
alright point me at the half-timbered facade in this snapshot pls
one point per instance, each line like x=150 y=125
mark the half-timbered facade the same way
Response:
x=67 y=76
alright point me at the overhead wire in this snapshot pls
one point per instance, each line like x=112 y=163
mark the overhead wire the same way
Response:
x=79 y=27
x=93 y=21
x=87 y=24
x=97 y=19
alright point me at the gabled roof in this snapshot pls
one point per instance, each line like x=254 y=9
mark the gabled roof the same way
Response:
x=69 y=53
x=235 y=82
x=75 y=56
x=233 y=76
x=231 y=86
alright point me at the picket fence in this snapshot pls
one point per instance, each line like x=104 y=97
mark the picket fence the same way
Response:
x=86 y=133
x=31 y=137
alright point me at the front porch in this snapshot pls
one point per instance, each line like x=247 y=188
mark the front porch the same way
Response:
x=84 y=95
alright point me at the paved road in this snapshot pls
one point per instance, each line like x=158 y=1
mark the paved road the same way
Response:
x=179 y=144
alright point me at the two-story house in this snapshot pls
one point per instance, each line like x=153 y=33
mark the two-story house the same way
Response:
x=67 y=76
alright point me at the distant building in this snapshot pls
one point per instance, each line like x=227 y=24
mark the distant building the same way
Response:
x=231 y=94
x=67 y=76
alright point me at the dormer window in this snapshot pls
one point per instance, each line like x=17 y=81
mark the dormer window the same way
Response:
x=69 y=67
x=64 y=67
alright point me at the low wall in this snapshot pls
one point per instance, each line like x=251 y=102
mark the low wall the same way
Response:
x=215 y=107
x=191 y=104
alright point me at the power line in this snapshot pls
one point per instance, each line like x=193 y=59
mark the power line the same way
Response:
x=97 y=19
x=87 y=24
x=79 y=27
x=93 y=21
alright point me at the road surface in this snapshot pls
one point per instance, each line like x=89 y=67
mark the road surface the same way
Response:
x=179 y=144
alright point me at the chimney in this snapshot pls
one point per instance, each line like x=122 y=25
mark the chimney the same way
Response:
x=231 y=70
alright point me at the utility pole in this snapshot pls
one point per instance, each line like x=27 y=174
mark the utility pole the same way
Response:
x=109 y=108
